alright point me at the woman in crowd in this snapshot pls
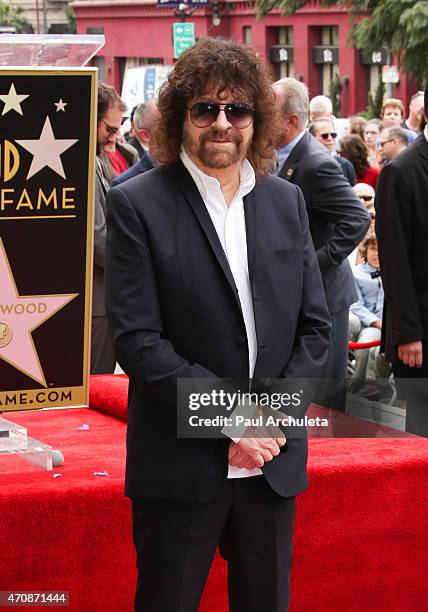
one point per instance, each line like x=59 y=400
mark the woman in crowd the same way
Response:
x=357 y=125
x=371 y=135
x=354 y=149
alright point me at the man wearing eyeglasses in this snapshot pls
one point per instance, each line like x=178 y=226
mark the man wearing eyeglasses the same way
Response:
x=337 y=220
x=323 y=131
x=115 y=156
x=391 y=142
x=211 y=274
x=110 y=110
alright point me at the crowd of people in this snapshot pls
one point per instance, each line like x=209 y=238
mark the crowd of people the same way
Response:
x=242 y=245
x=358 y=150
x=363 y=148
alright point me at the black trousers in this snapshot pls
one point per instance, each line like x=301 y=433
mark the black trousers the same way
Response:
x=103 y=360
x=176 y=542
x=412 y=387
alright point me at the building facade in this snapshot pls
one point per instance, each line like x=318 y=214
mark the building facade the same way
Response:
x=45 y=16
x=312 y=45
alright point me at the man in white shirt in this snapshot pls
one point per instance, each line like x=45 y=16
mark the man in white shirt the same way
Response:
x=211 y=274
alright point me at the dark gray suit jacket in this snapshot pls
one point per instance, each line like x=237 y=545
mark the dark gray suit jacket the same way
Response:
x=337 y=219
x=142 y=165
x=174 y=313
x=100 y=232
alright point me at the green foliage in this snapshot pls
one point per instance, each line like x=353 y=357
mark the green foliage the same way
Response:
x=12 y=16
x=375 y=101
x=334 y=92
x=399 y=25
x=70 y=19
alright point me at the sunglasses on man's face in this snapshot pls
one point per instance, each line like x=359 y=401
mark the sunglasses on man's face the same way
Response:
x=327 y=134
x=204 y=114
x=366 y=198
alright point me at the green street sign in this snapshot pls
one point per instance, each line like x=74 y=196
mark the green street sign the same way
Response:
x=183 y=36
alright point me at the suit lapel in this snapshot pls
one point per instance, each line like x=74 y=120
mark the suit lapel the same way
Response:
x=193 y=197
x=251 y=231
x=288 y=169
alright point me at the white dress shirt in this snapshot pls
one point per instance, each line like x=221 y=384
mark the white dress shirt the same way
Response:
x=229 y=223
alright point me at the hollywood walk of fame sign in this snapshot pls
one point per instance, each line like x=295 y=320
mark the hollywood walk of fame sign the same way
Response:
x=47 y=164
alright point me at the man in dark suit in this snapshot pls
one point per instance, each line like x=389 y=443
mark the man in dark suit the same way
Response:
x=143 y=121
x=211 y=274
x=402 y=230
x=145 y=118
x=110 y=111
x=143 y=164
x=337 y=219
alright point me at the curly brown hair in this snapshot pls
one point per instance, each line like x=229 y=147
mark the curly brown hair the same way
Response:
x=354 y=149
x=217 y=65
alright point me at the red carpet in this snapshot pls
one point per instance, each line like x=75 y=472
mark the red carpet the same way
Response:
x=361 y=541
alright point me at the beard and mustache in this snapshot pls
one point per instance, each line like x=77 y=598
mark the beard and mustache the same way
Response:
x=212 y=154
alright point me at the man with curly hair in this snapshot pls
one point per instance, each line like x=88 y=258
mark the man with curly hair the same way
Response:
x=211 y=274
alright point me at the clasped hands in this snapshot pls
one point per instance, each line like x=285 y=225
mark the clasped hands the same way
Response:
x=258 y=446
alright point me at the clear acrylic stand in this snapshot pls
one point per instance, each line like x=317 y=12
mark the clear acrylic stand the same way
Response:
x=35 y=51
x=14 y=442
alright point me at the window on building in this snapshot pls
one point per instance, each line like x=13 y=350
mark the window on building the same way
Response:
x=286 y=64
x=329 y=69
x=375 y=76
x=281 y=52
x=247 y=35
x=100 y=63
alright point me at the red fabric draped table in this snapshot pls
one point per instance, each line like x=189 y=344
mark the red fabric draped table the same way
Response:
x=361 y=531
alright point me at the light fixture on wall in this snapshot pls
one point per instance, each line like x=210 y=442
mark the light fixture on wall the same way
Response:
x=216 y=19
x=183 y=11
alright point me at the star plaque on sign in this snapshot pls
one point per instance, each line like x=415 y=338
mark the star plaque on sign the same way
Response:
x=47 y=170
x=46 y=150
x=20 y=315
x=12 y=101
x=60 y=105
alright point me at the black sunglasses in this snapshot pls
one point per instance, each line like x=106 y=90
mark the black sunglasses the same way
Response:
x=366 y=198
x=204 y=114
x=327 y=134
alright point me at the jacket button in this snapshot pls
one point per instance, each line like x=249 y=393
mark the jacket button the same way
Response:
x=240 y=340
